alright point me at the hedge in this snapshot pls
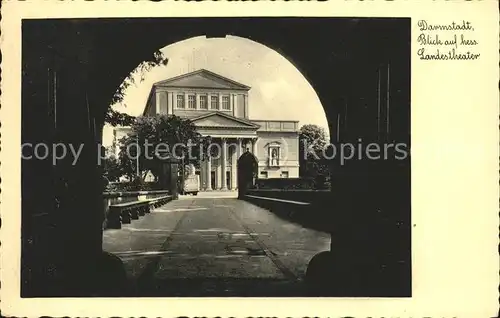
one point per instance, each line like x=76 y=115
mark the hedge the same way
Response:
x=292 y=183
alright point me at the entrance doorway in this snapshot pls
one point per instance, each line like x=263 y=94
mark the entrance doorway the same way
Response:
x=247 y=172
x=228 y=179
x=212 y=180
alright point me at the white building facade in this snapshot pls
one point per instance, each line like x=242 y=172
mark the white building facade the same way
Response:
x=219 y=107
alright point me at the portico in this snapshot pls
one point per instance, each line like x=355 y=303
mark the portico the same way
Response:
x=230 y=137
x=218 y=167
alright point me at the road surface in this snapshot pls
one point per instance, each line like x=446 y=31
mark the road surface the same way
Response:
x=215 y=245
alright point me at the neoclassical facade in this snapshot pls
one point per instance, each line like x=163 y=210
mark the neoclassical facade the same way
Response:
x=219 y=107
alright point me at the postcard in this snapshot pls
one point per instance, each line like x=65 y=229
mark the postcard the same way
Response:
x=249 y=159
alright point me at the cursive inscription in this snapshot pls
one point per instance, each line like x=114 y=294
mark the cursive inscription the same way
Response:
x=463 y=26
x=452 y=41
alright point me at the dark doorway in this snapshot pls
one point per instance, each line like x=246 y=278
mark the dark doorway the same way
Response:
x=212 y=177
x=228 y=179
x=247 y=172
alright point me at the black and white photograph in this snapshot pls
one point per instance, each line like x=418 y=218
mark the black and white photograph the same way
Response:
x=205 y=157
x=263 y=159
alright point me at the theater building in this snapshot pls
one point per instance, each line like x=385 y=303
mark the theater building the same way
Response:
x=220 y=108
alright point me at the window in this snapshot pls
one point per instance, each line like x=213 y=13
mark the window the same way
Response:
x=263 y=174
x=192 y=101
x=180 y=101
x=203 y=102
x=284 y=174
x=225 y=103
x=274 y=156
x=214 y=102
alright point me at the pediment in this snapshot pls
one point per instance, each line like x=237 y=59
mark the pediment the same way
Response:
x=202 y=79
x=222 y=121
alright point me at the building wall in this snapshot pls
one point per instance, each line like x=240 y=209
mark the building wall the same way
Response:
x=289 y=154
x=288 y=142
x=151 y=110
x=277 y=125
x=268 y=173
x=241 y=105
x=164 y=101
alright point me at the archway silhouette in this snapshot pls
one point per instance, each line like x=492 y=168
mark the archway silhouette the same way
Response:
x=247 y=166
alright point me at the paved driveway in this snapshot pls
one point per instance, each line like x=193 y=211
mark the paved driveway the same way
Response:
x=215 y=245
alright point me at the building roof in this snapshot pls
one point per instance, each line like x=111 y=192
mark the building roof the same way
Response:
x=220 y=119
x=202 y=79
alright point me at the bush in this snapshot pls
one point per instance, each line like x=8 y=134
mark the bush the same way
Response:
x=285 y=183
x=135 y=185
x=318 y=183
x=138 y=184
x=105 y=182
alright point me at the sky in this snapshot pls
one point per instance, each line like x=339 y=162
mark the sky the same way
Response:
x=278 y=89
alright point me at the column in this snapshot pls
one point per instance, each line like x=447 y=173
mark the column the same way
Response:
x=237 y=111
x=197 y=100
x=185 y=100
x=240 y=147
x=209 y=101
x=174 y=99
x=170 y=103
x=218 y=179
x=202 y=176
x=223 y=164
x=220 y=102
x=158 y=102
x=254 y=146
x=209 y=172
x=234 y=163
x=231 y=104
x=245 y=104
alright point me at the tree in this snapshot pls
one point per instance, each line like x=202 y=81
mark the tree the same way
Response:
x=167 y=134
x=115 y=118
x=312 y=145
x=123 y=166
x=112 y=168
x=314 y=135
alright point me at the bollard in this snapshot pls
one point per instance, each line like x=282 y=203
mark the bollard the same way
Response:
x=126 y=219
x=141 y=210
x=114 y=219
x=134 y=213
